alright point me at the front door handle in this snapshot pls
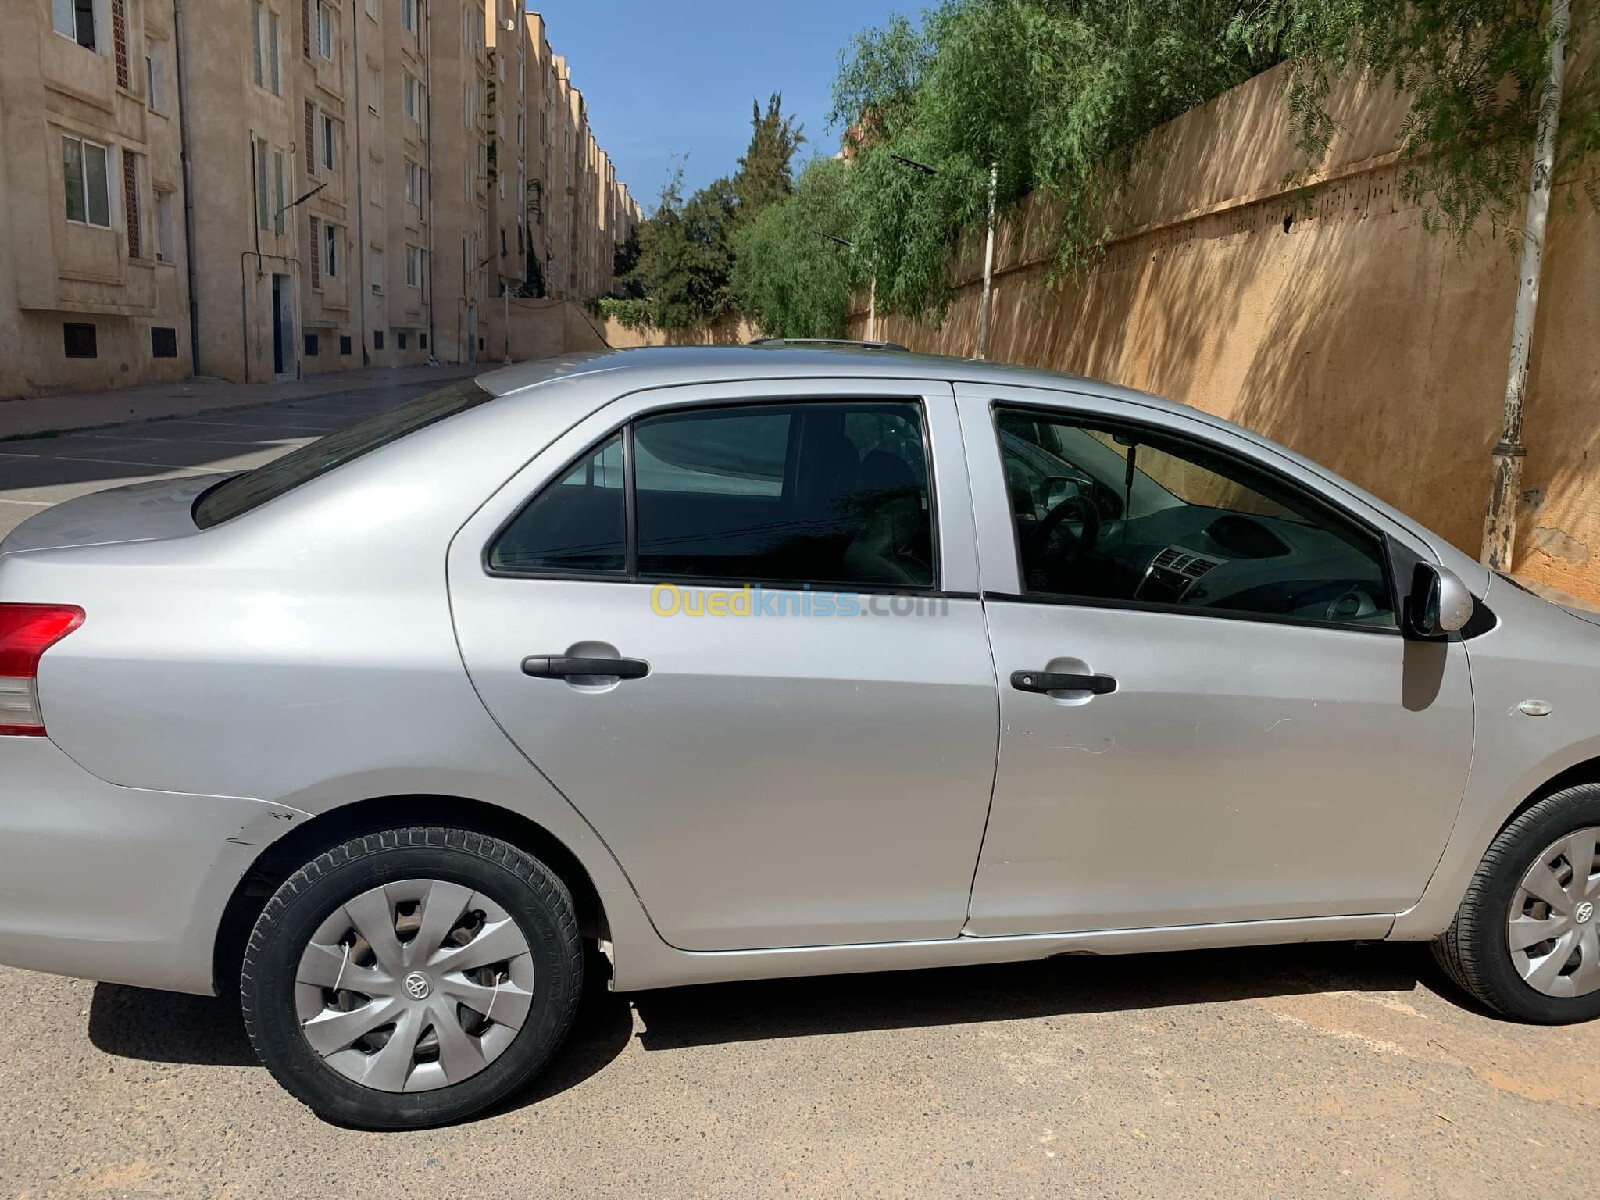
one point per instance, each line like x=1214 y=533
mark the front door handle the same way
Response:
x=1055 y=681
x=563 y=666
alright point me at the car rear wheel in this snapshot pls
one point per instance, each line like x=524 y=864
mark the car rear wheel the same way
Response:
x=1526 y=940
x=412 y=977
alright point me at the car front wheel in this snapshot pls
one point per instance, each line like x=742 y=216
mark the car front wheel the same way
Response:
x=1526 y=940
x=412 y=977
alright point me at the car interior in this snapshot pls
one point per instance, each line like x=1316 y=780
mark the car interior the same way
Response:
x=1132 y=515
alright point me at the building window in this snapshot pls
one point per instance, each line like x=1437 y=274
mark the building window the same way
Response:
x=330 y=251
x=274 y=71
x=411 y=97
x=312 y=346
x=372 y=8
x=258 y=42
x=375 y=273
x=346 y=347
x=75 y=19
x=329 y=130
x=413 y=183
x=422 y=341
x=327 y=22
x=163 y=341
x=374 y=87
x=377 y=339
x=413 y=266
x=400 y=339
x=280 y=198
x=78 y=338
x=408 y=14
x=263 y=185
x=86 y=167
x=155 y=75
x=165 y=251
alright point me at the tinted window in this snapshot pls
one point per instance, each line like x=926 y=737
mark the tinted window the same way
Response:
x=576 y=525
x=1123 y=514
x=243 y=492
x=785 y=494
x=833 y=495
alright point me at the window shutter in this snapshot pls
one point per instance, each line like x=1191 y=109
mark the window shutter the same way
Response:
x=311 y=138
x=316 y=252
x=130 y=204
x=119 y=42
x=305 y=27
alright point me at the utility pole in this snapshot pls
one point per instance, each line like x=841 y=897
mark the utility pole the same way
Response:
x=1500 y=523
x=988 y=268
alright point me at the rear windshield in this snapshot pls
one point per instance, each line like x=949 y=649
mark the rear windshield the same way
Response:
x=240 y=494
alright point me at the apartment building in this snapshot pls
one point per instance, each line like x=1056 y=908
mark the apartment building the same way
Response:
x=557 y=208
x=263 y=189
x=92 y=259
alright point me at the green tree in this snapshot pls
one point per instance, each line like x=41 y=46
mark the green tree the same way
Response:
x=766 y=172
x=1052 y=93
x=685 y=253
x=1056 y=94
x=794 y=271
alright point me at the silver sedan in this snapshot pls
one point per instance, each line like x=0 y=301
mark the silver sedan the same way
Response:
x=761 y=662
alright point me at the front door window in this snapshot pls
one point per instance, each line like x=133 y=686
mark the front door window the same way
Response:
x=1127 y=515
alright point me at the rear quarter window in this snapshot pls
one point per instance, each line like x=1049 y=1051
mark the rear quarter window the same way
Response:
x=236 y=496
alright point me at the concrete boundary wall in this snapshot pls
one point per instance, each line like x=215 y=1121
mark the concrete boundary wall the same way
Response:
x=1322 y=314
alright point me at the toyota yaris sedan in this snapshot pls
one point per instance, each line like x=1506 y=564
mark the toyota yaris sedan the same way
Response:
x=759 y=662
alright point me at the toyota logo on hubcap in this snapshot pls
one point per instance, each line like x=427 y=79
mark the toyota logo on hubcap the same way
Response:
x=1583 y=913
x=417 y=986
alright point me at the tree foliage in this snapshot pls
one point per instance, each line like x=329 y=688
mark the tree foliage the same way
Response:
x=793 y=271
x=1057 y=93
x=766 y=172
x=681 y=276
x=1053 y=94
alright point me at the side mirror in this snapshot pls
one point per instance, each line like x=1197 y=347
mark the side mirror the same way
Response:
x=1439 y=603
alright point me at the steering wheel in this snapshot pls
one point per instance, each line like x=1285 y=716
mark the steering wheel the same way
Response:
x=1037 y=544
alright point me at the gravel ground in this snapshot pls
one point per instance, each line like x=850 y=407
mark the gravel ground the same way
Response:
x=1297 y=1072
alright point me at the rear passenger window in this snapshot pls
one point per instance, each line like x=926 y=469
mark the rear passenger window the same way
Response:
x=578 y=525
x=824 y=494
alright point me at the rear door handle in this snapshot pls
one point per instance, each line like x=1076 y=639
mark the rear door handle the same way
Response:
x=562 y=666
x=1055 y=681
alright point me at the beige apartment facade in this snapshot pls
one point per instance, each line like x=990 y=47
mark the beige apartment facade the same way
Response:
x=352 y=167
x=92 y=262
x=557 y=210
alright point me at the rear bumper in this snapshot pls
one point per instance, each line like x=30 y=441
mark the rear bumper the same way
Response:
x=115 y=883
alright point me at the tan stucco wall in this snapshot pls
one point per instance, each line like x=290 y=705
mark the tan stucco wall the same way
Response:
x=726 y=332
x=1327 y=319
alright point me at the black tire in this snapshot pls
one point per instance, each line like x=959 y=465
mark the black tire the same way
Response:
x=1475 y=950
x=528 y=891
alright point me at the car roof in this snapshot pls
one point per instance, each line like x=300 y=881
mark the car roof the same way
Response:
x=665 y=366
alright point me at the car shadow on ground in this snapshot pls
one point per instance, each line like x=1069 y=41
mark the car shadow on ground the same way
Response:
x=164 y=1027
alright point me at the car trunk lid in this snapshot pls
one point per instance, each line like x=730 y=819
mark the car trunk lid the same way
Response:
x=140 y=512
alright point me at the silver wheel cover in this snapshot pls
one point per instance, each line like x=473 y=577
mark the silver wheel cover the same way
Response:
x=414 y=985
x=1551 y=930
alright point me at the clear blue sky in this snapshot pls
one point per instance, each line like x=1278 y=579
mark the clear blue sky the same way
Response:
x=664 y=79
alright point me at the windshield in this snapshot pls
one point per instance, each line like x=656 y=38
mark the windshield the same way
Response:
x=238 y=495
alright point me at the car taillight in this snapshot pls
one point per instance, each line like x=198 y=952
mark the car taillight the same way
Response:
x=26 y=632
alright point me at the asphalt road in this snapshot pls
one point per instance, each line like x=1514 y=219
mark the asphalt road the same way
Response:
x=1298 y=1072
